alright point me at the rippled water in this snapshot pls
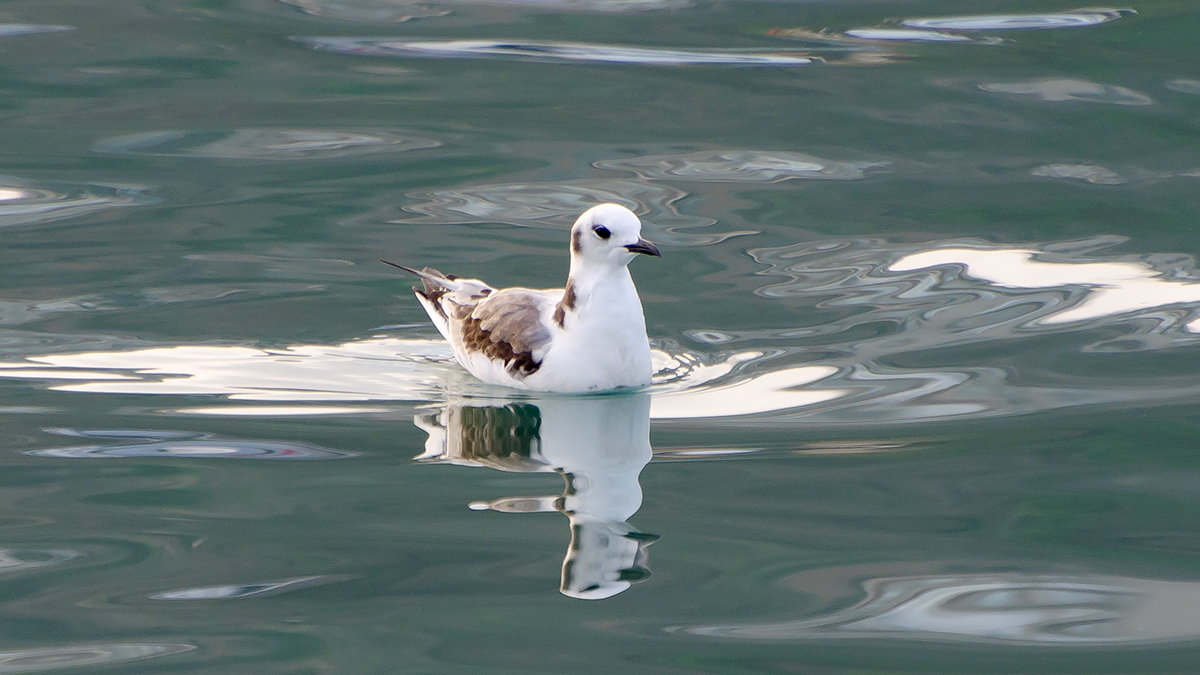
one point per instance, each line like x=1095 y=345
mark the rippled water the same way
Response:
x=925 y=334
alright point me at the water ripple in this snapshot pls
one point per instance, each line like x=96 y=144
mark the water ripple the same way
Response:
x=740 y=166
x=1184 y=86
x=9 y=29
x=184 y=444
x=904 y=35
x=381 y=369
x=1097 y=175
x=1073 y=19
x=405 y=10
x=554 y=52
x=557 y=205
x=1014 y=609
x=18 y=559
x=914 y=299
x=25 y=203
x=269 y=144
x=392 y=11
x=47 y=658
x=1057 y=90
x=932 y=29
x=16 y=312
x=886 y=305
x=248 y=590
x=1113 y=288
x=1027 y=289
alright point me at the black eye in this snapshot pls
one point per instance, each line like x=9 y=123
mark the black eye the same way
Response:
x=602 y=232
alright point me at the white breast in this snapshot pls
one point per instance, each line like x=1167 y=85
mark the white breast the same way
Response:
x=602 y=346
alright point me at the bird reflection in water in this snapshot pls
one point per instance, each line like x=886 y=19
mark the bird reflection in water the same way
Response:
x=598 y=444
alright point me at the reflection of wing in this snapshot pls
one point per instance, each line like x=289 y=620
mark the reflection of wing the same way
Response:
x=502 y=437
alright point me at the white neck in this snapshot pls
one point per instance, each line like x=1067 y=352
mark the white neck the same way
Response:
x=590 y=275
x=607 y=283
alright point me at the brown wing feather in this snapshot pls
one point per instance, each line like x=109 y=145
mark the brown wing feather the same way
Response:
x=507 y=326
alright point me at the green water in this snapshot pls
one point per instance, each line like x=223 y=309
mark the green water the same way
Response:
x=926 y=327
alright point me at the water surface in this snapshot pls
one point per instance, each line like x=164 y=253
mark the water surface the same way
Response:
x=925 y=333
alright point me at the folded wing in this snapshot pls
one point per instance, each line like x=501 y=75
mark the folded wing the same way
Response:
x=507 y=326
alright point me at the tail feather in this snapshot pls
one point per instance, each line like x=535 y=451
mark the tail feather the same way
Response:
x=437 y=284
x=444 y=294
x=432 y=280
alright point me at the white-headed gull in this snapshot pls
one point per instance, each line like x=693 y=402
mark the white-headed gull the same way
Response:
x=589 y=336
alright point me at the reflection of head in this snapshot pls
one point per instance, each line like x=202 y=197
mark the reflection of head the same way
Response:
x=604 y=559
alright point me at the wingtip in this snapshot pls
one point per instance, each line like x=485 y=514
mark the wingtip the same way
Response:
x=406 y=269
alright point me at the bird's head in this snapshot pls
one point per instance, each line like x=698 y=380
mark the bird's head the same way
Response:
x=608 y=234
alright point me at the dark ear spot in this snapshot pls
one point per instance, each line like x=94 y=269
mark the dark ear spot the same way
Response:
x=602 y=232
x=577 y=241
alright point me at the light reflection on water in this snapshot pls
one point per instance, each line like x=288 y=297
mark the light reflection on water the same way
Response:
x=1097 y=175
x=1059 y=90
x=247 y=590
x=386 y=369
x=368 y=10
x=10 y=29
x=47 y=658
x=406 y=10
x=598 y=444
x=1021 y=609
x=183 y=444
x=24 y=202
x=269 y=144
x=1184 y=86
x=561 y=52
x=916 y=298
x=1022 y=290
x=1073 y=19
x=904 y=35
x=18 y=559
x=1113 y=288
x=935 y=29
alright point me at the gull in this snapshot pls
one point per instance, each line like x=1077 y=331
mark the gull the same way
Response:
x=588 y=336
